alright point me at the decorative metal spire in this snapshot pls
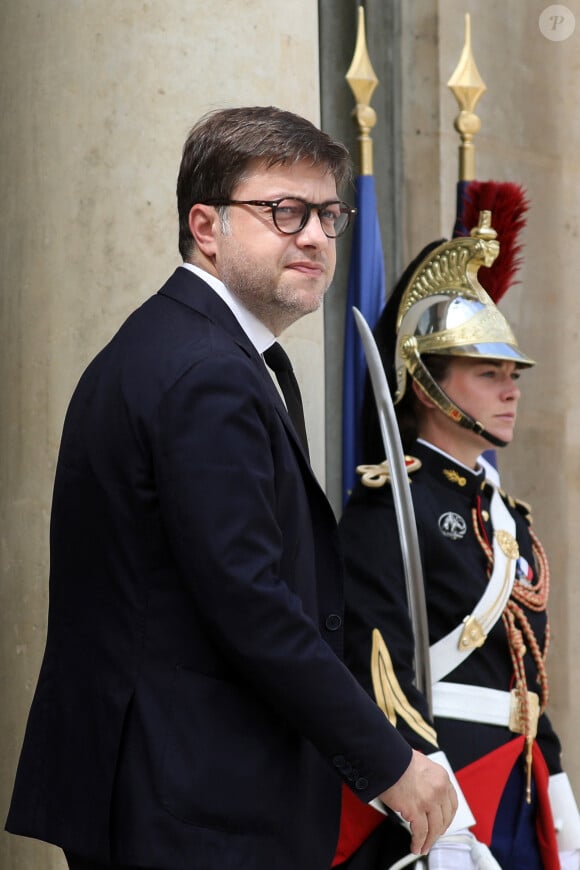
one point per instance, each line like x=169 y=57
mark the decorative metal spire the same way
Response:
x=362 y=80
x=467 y=87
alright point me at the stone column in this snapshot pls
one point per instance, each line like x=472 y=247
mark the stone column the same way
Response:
x=97 y=99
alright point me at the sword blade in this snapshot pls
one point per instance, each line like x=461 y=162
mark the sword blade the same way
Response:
x=404 y=510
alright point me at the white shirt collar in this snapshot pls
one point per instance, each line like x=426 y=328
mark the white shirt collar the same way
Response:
x=259 y=335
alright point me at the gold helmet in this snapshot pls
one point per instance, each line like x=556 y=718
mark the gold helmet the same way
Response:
x=445 y=310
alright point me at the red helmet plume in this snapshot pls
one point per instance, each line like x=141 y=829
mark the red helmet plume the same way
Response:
x=508 y=204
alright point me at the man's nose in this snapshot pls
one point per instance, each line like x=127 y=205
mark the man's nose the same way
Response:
x=312 y=232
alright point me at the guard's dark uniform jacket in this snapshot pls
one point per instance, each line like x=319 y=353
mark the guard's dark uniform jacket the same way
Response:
x=452 y=508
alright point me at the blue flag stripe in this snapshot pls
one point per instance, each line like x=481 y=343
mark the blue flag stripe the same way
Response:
x=366 y=291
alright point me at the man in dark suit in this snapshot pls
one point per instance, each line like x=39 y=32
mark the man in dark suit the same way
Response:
x=192 y=711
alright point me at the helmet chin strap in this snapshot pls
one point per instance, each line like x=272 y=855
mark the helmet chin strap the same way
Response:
x=471 y=423
x=431 y=388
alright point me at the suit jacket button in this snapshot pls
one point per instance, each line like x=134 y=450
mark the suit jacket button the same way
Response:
x=339 y=761
x=333 y=622
x=361 y=783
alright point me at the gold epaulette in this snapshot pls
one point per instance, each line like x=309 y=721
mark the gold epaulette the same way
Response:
x=377 y=475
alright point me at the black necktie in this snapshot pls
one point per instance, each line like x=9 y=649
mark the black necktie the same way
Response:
x=277 y=359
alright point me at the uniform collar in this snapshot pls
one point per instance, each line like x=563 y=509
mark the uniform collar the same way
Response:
x=447 y=470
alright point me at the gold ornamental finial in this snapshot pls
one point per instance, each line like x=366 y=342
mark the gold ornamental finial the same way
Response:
x=362 y=80
x=467 y=87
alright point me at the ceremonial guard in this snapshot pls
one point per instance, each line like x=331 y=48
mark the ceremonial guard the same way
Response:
x=453 y=365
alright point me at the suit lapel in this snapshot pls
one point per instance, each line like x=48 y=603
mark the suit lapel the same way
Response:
x=188 y=289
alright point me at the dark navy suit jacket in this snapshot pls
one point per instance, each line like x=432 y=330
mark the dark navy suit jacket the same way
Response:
x=191 y=710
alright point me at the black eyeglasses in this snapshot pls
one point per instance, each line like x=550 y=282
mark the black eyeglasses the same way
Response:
x=290 y=215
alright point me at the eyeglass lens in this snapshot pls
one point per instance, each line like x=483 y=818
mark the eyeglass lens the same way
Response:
x=291 y=215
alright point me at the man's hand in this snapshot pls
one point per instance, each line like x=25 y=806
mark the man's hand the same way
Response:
x=425 y=797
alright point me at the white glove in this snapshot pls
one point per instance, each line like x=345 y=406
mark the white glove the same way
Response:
x=570 y=860
x=461 y=851
x=450 y=856
x=566 y=817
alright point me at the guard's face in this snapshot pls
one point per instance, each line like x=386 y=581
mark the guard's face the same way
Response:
x=277 y=276
x=487 y=390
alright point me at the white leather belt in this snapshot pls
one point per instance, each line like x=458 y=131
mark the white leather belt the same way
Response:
x=488 y=706
x=471 y=703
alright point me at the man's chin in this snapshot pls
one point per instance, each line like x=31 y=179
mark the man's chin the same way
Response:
x=307 y=302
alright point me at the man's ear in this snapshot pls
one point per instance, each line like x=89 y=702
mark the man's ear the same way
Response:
x=203 y=226
x=421 y=396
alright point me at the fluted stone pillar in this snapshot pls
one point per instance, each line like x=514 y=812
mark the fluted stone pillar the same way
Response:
x=97 y=99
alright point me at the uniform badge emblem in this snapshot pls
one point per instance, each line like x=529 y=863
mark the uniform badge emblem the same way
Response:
x=452 y=475
x=452 y=526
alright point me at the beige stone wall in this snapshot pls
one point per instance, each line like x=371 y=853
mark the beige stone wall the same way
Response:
x=97 y=99
x=530 y=134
